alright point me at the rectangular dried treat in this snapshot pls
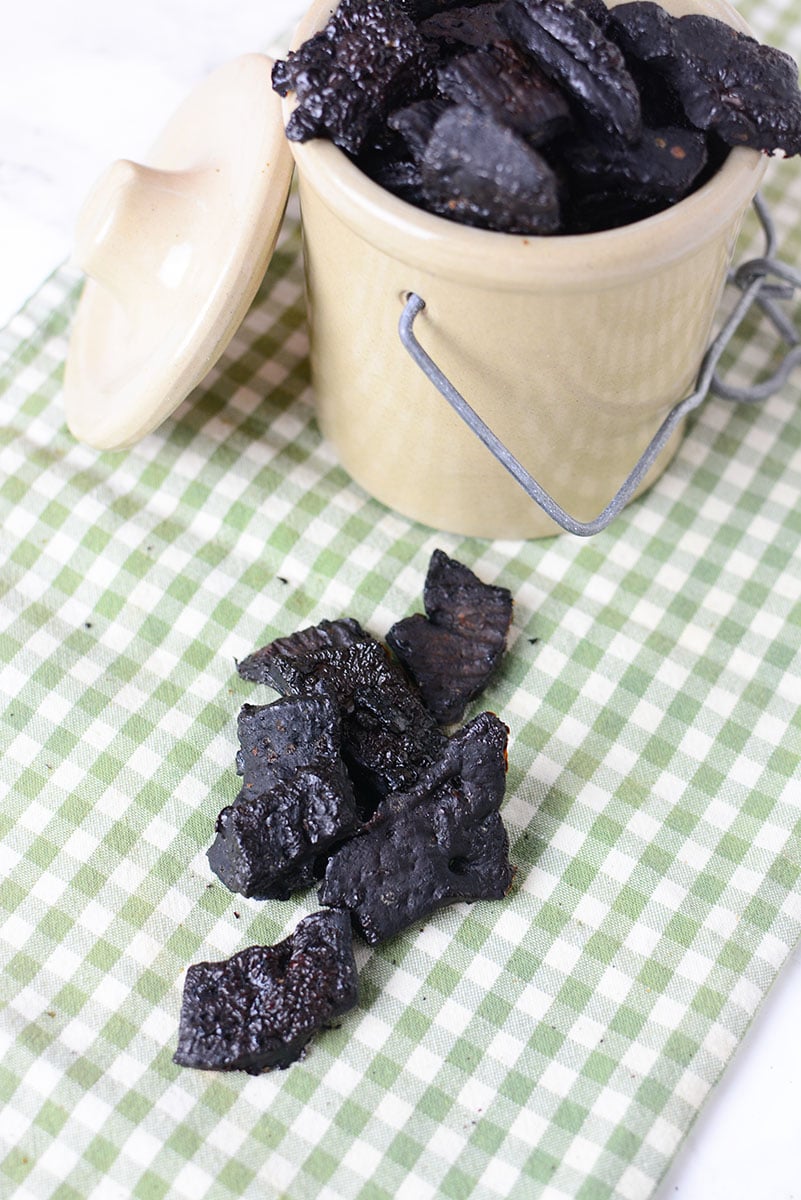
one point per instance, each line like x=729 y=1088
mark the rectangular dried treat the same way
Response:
x=452 y=652
x=276 y=739
x=441 y=843
x=259 y=1009
x=296 y=800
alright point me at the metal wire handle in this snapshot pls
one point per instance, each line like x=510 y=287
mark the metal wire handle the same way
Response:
x=752 y=280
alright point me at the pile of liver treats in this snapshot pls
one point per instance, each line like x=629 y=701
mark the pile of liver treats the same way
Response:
x=538 y=116
x=354 y=779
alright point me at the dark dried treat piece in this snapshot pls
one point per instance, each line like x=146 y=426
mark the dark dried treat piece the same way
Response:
x=473 y=760
x=442 y=842
x=387 y=733
x=274 y=663
x=277 y=739
x=499 y=81
x=400 y=176
x=259 y=1009
x=596 y=10
x=664 y=165
x=571 y=49
x=452 y=653
x=423 y=10
x=270 y=844
x=478 y=172
x=296 y=800
x=746 y=93
x=368 y=60
x=597 y=211
x=465 y=26
x=416 y=122
x=644 y=31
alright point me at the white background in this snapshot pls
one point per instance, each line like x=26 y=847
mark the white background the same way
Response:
x=88 y=81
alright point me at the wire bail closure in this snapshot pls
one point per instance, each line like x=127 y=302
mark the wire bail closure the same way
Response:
x=752 y=278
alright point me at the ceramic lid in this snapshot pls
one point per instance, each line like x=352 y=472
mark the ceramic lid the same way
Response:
x=175 y=252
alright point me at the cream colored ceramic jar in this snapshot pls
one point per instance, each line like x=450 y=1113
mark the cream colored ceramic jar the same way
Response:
x=572 y=349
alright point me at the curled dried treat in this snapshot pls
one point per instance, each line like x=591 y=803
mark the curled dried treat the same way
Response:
x=274 y=664
x=440 y=843
x=498 y=80
x=368 y=60
x=571 y=48
x=746 y=93
x=664 y=165
x=479 y=172
x=453 y=651
x=259 y=1009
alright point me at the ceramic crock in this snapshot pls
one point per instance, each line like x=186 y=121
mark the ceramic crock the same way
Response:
x=572 y=349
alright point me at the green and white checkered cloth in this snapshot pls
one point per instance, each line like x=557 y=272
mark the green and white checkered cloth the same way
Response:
x=557 y=1044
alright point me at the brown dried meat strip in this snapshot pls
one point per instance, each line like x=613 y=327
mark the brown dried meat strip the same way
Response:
x=440 y=843
x=571 y=48
x=453 y=651
x=259 y=1009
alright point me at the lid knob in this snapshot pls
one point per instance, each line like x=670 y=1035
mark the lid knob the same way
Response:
x=139 y=228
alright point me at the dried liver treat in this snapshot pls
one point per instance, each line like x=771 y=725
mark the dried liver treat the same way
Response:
x=423 y=115
x=480 y=172
x=453 y=651
x=296 y=801
x=498 y=80
x=727 y=82
x=571 y=48
x=347 y=78
x=662 y=166
x=276 y=740
x=440 y=843
x=259 y=1009
x=274 y=664
x=643 y=31
x=387 y=733
x=415 y=123
x=465 y=26
x=270 y=844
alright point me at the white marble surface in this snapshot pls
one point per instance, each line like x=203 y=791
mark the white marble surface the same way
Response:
x=93 y=80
